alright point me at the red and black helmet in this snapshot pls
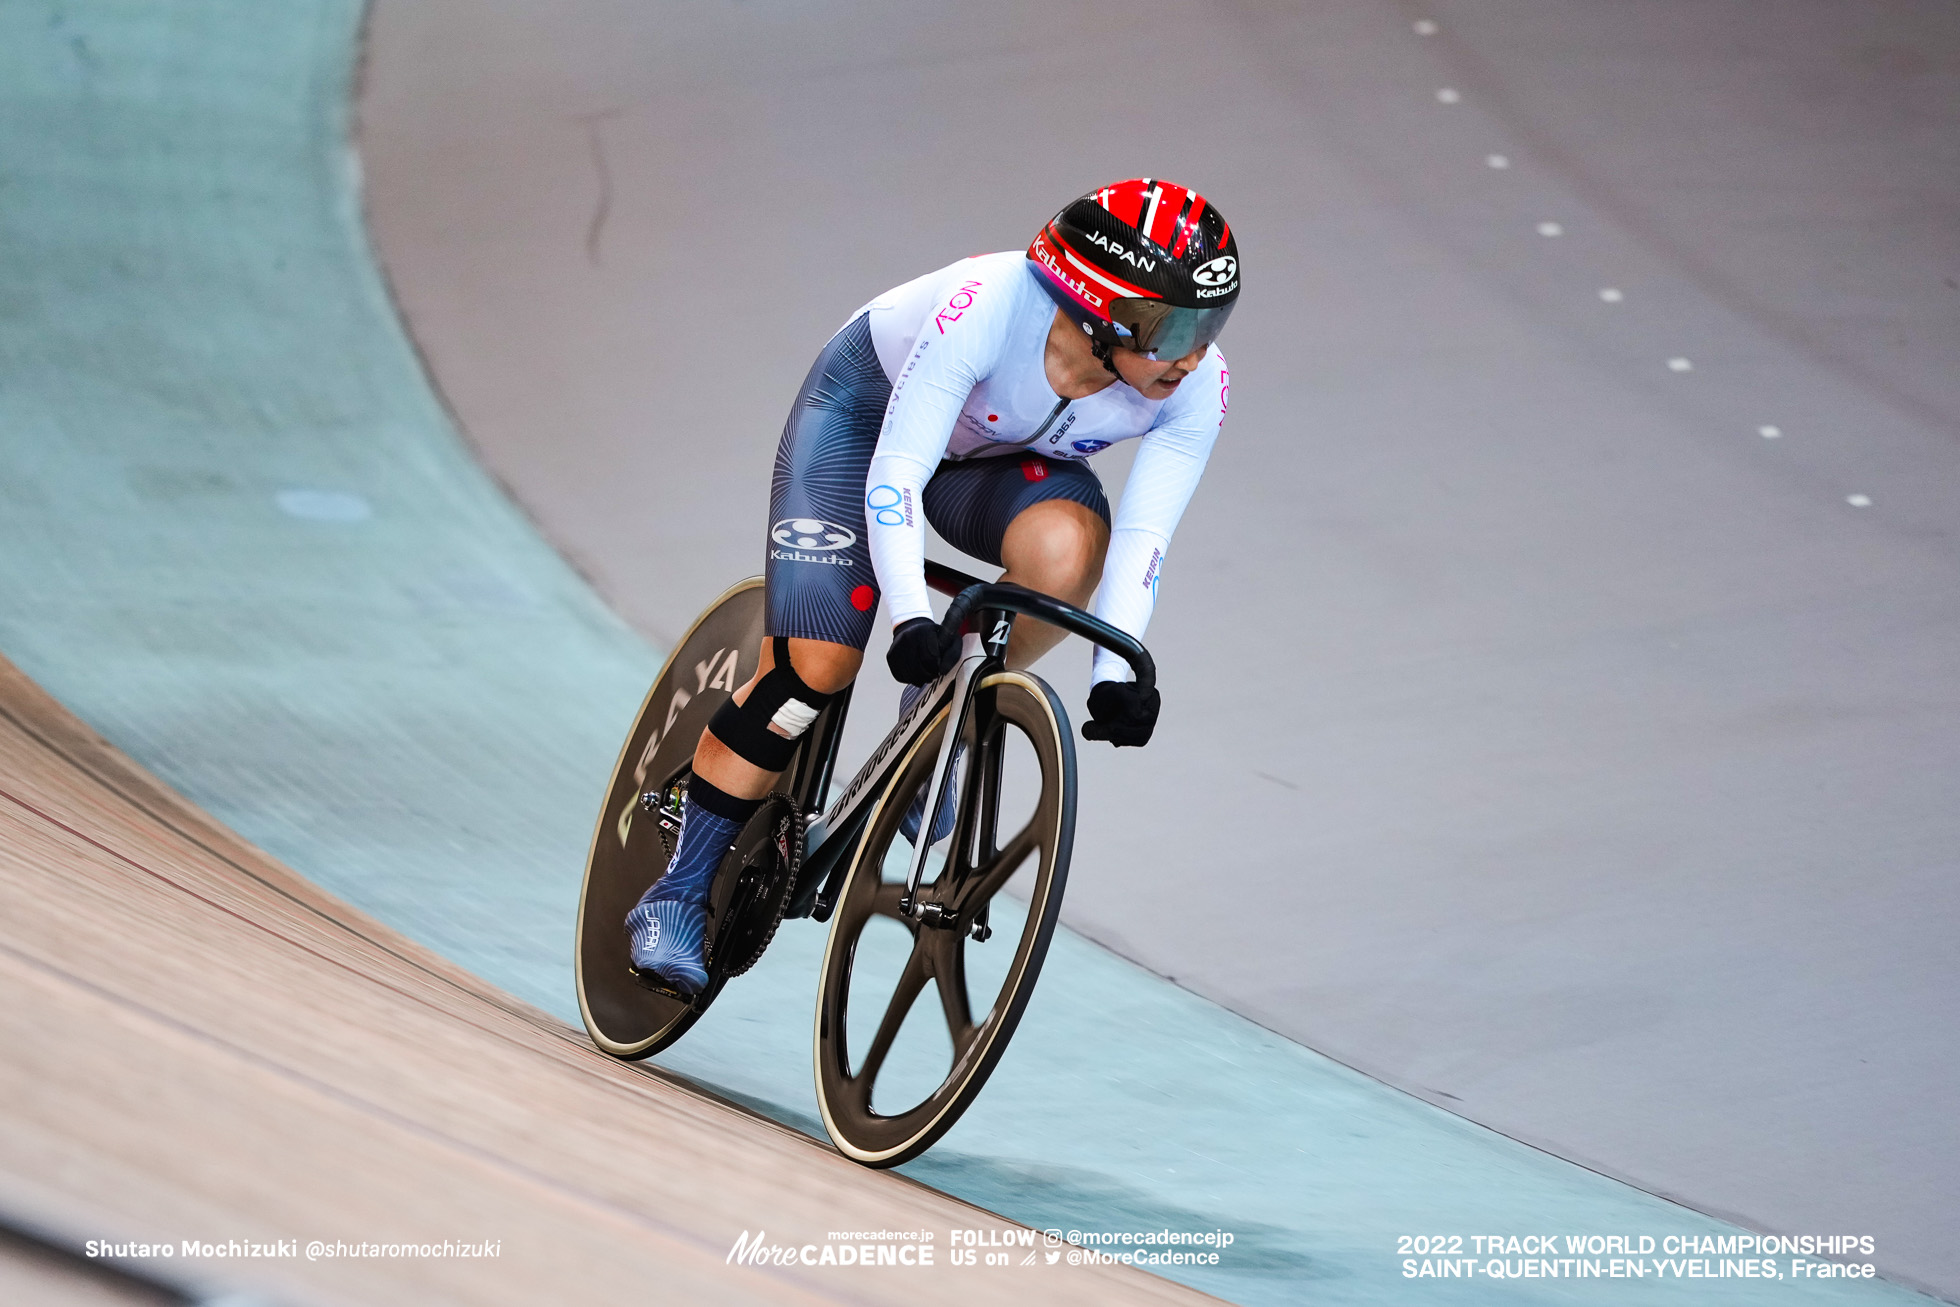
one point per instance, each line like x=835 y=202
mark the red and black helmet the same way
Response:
x=1145 y=264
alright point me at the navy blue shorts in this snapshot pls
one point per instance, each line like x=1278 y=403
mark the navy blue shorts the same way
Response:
x=818 y=576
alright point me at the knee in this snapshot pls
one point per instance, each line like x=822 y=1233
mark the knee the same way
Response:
x=1077 y=537
x=823 y=666
x=762 y=722
x=1058 y=546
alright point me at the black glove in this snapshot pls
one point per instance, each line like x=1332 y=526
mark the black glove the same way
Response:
x=1121 y=714
x=922 y=651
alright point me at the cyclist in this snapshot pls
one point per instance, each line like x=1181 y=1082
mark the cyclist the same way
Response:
x=971 y=398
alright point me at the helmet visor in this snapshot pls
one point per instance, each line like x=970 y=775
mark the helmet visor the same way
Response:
x=1165 y=331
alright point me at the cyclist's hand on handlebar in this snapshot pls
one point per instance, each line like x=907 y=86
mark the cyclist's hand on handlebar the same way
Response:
x=1121 y=714
x=922 y=651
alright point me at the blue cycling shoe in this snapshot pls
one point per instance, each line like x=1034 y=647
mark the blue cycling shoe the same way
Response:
x=942 y=822
x=668 y=942
x=669 y=925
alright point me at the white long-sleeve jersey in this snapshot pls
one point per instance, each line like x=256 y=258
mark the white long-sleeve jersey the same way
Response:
x=964 y=349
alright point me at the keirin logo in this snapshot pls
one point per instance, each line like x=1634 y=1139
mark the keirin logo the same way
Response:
x=810 y=533
x=889 y=505
x=1220 y=271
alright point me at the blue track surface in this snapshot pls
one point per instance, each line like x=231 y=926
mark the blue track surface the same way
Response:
x=239 y=536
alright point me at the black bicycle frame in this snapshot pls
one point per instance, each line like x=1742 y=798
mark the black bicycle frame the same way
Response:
x=978 y=606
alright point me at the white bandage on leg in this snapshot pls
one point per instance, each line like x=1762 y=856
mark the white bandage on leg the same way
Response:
x=794 y=717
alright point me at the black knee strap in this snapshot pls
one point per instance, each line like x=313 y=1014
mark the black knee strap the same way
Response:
x=781 y=698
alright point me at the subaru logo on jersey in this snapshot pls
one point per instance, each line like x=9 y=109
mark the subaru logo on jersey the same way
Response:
x=1089 y=446
x=1218 y=272
x=809 y=533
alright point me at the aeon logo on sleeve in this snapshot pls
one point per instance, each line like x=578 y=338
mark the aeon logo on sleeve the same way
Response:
x=960 y=301
x=1218 y=272
x=811 y=540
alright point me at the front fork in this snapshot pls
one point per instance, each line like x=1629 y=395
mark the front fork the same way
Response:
x=978 y=652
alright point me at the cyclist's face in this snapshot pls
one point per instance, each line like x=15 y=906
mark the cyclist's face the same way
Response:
x=1154 y=378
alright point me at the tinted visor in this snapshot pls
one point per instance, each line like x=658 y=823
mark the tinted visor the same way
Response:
x=1164 y=331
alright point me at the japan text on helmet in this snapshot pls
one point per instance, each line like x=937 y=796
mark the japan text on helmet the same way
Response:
x=1145 y=264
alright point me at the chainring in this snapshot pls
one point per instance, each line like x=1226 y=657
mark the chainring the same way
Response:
x=754 y=885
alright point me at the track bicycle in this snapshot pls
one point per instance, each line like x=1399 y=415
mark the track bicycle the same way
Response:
x=965 y=905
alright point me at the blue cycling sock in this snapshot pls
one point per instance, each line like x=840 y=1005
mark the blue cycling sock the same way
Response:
x=710 y=820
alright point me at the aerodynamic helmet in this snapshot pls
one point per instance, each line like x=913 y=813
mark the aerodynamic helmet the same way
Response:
x=1145 y=264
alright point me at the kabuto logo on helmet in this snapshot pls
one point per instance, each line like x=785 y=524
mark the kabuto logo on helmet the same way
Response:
x=1218 y=272
x=1040 y=251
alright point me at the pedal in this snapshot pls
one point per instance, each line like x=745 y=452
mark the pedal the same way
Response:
x=664 y=805
x=648 y=981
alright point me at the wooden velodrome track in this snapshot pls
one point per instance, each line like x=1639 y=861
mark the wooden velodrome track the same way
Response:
x=202 y=1045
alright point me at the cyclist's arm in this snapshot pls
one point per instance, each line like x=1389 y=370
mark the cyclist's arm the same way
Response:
x=1161 y=482
x=955 y=351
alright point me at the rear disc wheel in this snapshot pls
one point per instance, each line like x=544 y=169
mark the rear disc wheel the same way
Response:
x=634 y=834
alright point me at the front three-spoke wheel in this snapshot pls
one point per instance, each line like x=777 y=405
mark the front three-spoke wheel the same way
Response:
x=914 y=1010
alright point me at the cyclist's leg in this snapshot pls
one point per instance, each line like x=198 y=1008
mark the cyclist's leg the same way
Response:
x=821 y=596
x=1057 y=547
x=1045 y=520
x=824 y=666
